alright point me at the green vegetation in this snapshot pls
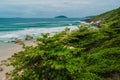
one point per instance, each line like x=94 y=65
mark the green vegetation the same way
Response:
x=108 y=16
x=83 y=54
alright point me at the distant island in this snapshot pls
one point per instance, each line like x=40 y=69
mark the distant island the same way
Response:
x=61 y=16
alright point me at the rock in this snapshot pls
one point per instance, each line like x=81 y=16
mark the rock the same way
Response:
x=70 y=47
x=97 y=23
x=1 y=64
x=3 y=61
x=28 y=37
x=1 y=69
x=18 y=41
x=88 y=20
x=7 y=77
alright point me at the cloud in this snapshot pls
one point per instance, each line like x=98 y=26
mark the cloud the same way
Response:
x=49 y=8
x=42 y=1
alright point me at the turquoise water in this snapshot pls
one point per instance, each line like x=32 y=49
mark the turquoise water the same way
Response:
x=11 y=28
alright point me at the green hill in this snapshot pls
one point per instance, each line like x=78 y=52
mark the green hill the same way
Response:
x=108 y=16
x=83 y=54
x=62 y=16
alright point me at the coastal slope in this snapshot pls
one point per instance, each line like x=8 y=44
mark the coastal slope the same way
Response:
x=83 y=54
x=108 y=16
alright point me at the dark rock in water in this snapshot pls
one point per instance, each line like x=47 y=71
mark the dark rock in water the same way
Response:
x=62 y=16
x=28 y=37
x=18 y=41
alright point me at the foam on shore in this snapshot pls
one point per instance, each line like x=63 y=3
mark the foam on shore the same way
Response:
x=35 y=32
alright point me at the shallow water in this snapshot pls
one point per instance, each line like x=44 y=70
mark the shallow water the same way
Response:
x=11 y=28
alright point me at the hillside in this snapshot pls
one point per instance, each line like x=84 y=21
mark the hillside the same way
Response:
x=83 y=54
x=108 y=16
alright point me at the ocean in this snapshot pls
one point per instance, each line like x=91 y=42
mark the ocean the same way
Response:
x=11 y=28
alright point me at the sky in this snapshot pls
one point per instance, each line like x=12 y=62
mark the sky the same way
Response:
x=52 y=8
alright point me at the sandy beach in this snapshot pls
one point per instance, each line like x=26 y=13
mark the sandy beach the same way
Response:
x=6 y=51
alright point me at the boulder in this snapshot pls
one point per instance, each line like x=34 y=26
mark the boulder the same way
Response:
x=28 y=37
x=1 y=69
x=18 y=41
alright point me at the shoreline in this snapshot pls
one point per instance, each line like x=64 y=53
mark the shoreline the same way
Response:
x=6 y=51
x=34 y=32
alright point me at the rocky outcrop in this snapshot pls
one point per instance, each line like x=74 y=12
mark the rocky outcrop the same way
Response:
x=88 y=20
x=18 y=41
x=97 y=23
x=28 y=37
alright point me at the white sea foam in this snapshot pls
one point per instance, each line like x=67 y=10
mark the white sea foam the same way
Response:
x=35 y=32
